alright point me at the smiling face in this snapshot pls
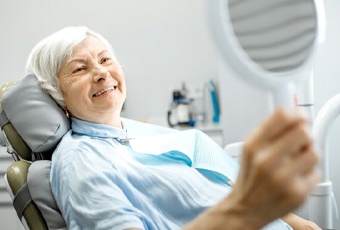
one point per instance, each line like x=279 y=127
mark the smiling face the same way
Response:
x=93 y=84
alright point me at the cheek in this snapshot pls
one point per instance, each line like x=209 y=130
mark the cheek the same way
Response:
x=121 y=79
x=69 y=99
x=65 y=87
x=74 y=95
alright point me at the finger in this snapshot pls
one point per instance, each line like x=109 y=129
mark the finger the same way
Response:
x=295 y=189
x=263 y=139
x=281 y=120
x=293 y=142
x=306 y=161
x=305 y=184
x=284 y=151
x=296 y=169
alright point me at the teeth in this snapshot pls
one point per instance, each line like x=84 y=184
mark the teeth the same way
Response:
x=103 y=91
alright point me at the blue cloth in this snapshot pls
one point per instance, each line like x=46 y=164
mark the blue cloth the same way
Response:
x=155 y=182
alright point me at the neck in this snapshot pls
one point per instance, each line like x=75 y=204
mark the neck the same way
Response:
x=112 y=120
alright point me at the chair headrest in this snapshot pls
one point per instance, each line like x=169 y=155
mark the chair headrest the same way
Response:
x=34 y=115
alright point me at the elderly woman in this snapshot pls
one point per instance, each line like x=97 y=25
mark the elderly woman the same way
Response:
x=99 y=182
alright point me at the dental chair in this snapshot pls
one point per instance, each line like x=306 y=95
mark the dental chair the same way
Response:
x=32 y=124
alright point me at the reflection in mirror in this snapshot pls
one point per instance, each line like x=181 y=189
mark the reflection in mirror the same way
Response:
x=272 y=44
x=277 y=35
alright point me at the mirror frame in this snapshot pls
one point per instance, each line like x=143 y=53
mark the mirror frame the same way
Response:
x=232 y=52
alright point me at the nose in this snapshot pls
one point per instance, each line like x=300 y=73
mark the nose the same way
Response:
x=100 y=73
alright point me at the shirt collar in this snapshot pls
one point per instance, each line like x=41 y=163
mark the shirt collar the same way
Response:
x=81 y=127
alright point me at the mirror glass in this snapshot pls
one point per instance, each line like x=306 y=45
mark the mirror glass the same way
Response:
x=277 y=35
x=272 y=44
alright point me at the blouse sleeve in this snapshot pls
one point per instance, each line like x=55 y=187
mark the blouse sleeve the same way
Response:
x=88 y=193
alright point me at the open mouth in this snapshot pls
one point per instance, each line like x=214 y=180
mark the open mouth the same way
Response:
x=104 y=91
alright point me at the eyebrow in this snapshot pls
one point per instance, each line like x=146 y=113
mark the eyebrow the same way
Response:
x=76 y=60
x=83 y=60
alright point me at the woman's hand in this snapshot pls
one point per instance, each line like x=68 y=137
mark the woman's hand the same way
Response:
x=277 y=173
x=278 y=166
x=298 y=223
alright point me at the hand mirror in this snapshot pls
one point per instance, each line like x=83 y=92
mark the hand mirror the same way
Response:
x=272 y=44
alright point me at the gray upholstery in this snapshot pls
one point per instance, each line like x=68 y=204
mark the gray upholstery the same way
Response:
x=37 y=118
x=38 y=181
x=32 y=122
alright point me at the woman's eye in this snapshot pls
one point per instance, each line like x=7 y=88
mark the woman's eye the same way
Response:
x=105 y=60
x=79 y=69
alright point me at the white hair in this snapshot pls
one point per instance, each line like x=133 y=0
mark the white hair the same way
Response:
x=48 y=56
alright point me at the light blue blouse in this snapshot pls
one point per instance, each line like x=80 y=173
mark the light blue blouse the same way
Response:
x=99 y=182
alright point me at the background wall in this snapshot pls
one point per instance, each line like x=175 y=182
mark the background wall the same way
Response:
x=160 y=44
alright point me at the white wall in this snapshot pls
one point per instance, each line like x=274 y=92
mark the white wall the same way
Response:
x=159 y=43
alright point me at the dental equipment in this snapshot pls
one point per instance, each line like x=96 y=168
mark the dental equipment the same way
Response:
x=322 y=204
